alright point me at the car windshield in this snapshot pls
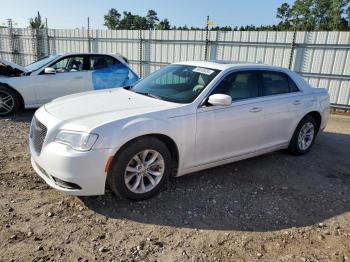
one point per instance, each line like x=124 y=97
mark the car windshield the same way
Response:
x=176 y=83
x=40 y=63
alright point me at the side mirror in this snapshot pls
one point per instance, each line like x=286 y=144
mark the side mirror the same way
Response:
x=220 y=100
x=50 y=71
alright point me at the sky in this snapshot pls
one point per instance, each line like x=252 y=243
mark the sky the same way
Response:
x=74 y=13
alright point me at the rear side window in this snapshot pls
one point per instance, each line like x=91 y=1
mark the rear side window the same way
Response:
x=274 y=83
x=239 y=85
x=100 y=62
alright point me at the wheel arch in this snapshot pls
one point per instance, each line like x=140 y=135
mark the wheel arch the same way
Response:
x=19 y=95
x=317 y=116
x=167 y=140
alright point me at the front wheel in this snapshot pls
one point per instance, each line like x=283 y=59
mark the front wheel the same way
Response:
x=9 y=101
x=140 y=169
x=304 y=136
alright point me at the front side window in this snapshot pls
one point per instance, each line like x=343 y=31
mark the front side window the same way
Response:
x=239 y=85
x=274 y=83
x=176 y=83
x=69 y=64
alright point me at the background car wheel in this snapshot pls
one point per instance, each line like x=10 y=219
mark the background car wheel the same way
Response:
x=140 y=169
x=9 y=101
x=304 y=136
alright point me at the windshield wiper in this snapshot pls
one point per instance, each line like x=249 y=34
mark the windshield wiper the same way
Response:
x=147 y=94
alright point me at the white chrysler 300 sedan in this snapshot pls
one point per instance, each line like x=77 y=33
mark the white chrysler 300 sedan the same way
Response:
x=183 y=118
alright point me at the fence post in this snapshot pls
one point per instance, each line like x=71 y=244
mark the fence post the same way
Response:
x=40 y=43
x=34 y=44
x=95 y=40
x=140 y=51
x=13 y=50
x=88 y=34
x=53 y=41
x=215 y=48
x=47 y=37
x=206 y=40
x=146 y=50
x=293 y=46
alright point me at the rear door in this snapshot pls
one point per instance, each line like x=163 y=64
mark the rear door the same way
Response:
x=108 y=72
x=71 y=77
x=282 y=101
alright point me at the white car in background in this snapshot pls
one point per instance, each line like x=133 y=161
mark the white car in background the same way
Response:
x=183 y=118
x=58 y=75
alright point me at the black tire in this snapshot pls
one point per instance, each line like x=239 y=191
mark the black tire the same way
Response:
x=11 y=106
x=115 y=176
x=294 y=147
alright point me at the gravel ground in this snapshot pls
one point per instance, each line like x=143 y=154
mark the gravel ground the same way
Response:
x=275 y=207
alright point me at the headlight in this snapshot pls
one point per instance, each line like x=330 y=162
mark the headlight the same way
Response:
x=77 y=140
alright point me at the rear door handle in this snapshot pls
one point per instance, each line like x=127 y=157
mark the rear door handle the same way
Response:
x=297 y=102
x=255 y=109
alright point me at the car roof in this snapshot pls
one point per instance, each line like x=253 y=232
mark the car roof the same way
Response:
x=87 y=53
x=224 y=65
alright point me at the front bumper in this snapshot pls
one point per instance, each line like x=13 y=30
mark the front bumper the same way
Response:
x=67 y=170
x=83 y=172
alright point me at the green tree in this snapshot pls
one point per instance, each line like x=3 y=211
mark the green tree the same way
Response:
x=164 y=25
x=36 y=22
x=321 y=14
x=126 y=21
x=112 y=19
x=347 y=14
x=314 y=15
x=139 y=22
x=152 y=19
x=305 y=15
x=185 y=27
x=301 y=15
x=283 y=13
x=131 y=21
x=336 y=14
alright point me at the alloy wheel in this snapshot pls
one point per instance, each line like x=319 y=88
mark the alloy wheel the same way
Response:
x=306 y=136
x=7 y=103
x=144 y=171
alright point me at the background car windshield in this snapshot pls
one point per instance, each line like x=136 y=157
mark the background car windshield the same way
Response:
x=177 y=83
x=40 y=63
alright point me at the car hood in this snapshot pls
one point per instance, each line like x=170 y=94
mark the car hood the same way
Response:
x=13 y=65
x=90 y=109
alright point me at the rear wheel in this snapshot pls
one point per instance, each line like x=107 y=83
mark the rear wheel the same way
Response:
x=9 y=101
x=140 y=169
x=304 y=136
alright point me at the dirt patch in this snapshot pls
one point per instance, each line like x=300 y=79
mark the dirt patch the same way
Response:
x=273 y=207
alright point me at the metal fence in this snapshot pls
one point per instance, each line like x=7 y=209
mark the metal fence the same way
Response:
x=322 y=58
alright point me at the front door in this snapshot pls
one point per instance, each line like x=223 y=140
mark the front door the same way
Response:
x=70 y=77
x=225 y=132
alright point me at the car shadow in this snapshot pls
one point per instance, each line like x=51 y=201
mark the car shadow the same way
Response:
x=271 y=192
x=24 y=115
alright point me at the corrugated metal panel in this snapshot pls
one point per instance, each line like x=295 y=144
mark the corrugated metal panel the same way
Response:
x=323 y=58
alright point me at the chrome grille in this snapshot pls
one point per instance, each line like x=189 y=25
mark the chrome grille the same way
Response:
x=38 y=134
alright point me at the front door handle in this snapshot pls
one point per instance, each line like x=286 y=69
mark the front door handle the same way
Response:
x=297 y=102
x=255 y=109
